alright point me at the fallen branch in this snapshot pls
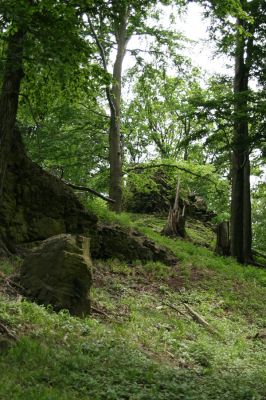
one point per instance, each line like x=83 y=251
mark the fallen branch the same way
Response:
x=200 y=320
x=194 y=315
x=87 y=189
x=174 y=308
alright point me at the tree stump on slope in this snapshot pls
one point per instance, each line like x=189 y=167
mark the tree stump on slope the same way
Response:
x=175 y=225
x=223 y=239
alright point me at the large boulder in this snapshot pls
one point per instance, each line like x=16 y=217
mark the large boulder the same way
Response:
x=58 y=272
x=36 y=205
x=114 y=241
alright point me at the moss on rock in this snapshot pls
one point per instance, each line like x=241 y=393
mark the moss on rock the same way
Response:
x=58 y=273
x=114 y=241
x=36 y=205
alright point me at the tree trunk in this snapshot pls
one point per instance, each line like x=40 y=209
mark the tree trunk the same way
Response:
x=186 y=135
x=223 y=239
x=241 y=236
x=247 y=220
x=175 y=225
x=13 y=74
x=115 y=147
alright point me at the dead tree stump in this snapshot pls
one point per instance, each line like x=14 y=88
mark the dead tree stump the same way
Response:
x=223 y=239
x=176 y=220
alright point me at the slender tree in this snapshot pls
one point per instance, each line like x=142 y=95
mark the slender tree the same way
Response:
x=116 y=23
x=241 y=236
x=243 y=36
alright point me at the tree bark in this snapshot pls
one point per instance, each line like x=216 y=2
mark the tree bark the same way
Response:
x=115 y=146
x=175 y=225
x=13 y=74
x=186 y=135
x=241 y=235
x=223 y=239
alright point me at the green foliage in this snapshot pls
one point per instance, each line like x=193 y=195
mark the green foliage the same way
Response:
x=140 y=348
x=162 y=114
x=259 y=217
x=71 y=142
x=150 y=186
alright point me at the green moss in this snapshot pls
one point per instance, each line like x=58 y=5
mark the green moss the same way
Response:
x=45 y=227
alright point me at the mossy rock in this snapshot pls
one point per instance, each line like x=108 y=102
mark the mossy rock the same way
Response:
x=36 y=205
x=58 y=273
x=114 y=241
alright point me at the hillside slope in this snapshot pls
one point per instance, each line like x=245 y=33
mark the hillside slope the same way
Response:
x=194 y=331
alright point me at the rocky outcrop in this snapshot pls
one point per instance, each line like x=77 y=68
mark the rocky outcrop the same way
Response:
x=156 y=197
x=159 y=193
x=36 y=205
x=114 y=241
x=58 y=272
x=196 y=207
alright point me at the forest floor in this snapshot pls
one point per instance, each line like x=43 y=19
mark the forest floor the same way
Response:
x=143 y=340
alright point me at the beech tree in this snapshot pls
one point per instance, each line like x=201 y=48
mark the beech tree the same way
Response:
x=248 y=52
x=241 y=27
x=162 y=113
x=111 y=25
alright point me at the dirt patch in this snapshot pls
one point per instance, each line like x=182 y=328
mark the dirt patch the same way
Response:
x=200 y=274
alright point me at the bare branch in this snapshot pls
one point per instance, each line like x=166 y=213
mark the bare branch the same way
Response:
x=87 y=189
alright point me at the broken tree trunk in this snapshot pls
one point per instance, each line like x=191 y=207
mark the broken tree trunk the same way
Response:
x=175 y=225
x=223 y=239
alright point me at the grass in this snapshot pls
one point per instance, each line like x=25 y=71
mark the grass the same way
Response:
x=134 y=346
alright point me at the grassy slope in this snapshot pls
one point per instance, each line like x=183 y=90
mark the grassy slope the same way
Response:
x=135 y=346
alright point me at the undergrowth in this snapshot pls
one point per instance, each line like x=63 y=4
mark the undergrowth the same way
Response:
x=140 y=343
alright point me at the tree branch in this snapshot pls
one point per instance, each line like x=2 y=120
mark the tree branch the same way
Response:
x=87 y=189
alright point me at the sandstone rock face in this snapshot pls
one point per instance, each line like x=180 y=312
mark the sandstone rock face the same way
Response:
x=58 y=272
x=36 y=205
x=114 y=241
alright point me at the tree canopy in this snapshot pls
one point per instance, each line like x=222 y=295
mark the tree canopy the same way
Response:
x=89 y=120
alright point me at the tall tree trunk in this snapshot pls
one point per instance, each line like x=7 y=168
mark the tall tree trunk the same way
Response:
x=247 y=220
x=9 y=96
x=186 y=135
x=241 y=237
x=115 y=146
